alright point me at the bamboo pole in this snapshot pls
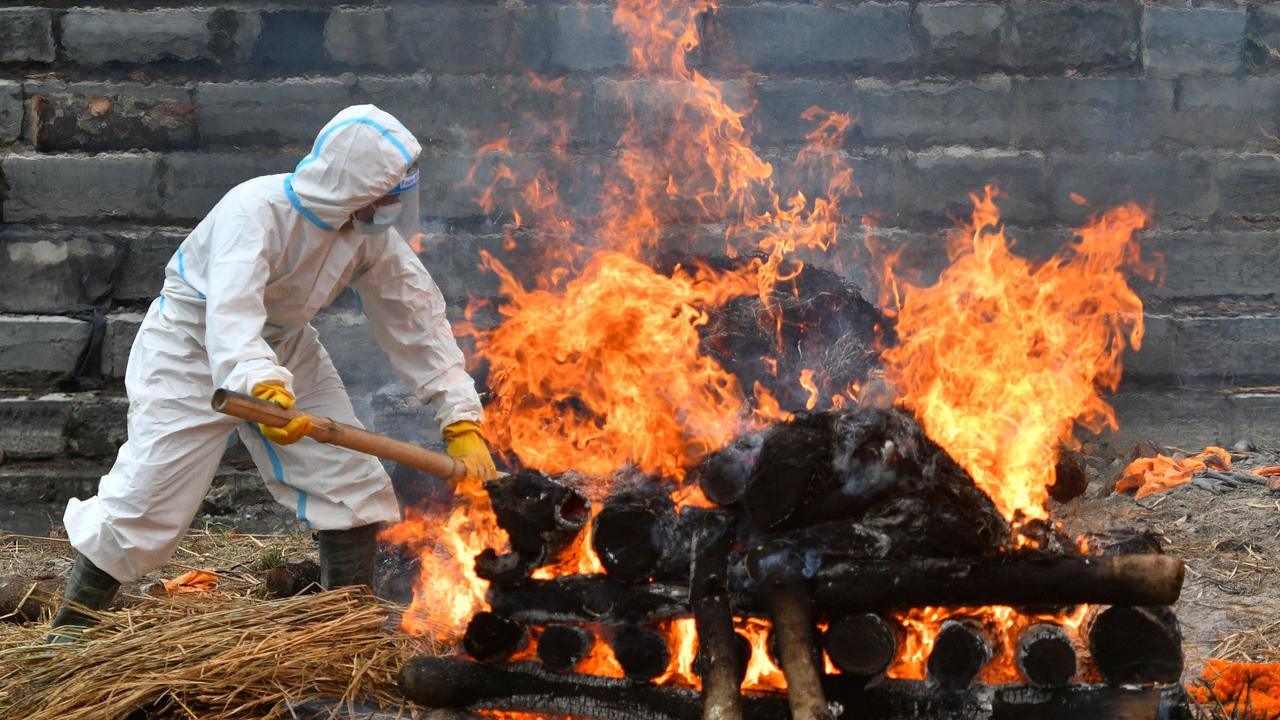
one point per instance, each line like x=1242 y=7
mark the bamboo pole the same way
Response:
x=327 y=430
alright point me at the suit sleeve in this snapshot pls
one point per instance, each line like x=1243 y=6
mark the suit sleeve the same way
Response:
x=407 y=312
x=235 y=314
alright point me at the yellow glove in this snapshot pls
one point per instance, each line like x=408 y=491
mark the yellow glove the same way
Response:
x=297 y=427
x=467 y=444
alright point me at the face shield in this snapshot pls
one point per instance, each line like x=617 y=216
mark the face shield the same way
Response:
x=398 y=209
x=409 y=222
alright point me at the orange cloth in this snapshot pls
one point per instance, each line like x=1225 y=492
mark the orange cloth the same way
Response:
x=1249 y=691
x=1273 y=471
x=1152 y=475
x=193 y=581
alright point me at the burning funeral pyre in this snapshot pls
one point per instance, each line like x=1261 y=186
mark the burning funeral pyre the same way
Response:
x=733 y=475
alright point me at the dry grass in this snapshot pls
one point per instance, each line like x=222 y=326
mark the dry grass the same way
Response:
x=229 y=653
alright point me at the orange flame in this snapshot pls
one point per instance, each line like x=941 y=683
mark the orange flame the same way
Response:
x=1002 y=357
x=682 y=638
x=763 y=675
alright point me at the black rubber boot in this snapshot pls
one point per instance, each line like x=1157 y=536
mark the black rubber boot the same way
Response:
x=88 y=587
x=348 y=557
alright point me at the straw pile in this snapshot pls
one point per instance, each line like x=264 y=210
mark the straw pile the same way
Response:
x=214 y=656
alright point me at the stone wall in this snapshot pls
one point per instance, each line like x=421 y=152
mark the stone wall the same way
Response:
x=119 y=128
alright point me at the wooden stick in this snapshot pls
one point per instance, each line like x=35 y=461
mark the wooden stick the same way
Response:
x=717 y=641
x=329 y=431
x=1108 y=580
x=792 y=614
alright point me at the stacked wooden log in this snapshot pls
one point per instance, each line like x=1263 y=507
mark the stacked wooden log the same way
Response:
x=826 y=527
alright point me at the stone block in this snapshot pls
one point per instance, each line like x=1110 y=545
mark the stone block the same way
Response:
x=934 y=185
x=1217 y=262
x=93 y=36
x=1247 y=185
x=271 y=112
x=812 y=37
x=963 y=35
x=1256 y=416
x=55 y=270
x=587 y=40
x=26 y=35
x=1262 y=34
x=68 y=188
x=470 y=38
x=919 y=114
x=34 y=427
x=358 y=36
x=1046 y=35
x=146 y=253
x=10 y=111
x=1178 y=187
x=1093 y=114
x=121 y=329
x=1237 y=113
x=1193 y=40
x=1180 y=417
x=195 y=182
x=111 y=116
x=292 y=40
x=1223 y=350
x=41 y=346
x=98 y=425
x=234 y=35
x=453 y=184
x=651 y=106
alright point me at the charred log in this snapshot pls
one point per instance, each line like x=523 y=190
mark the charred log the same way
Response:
x=792 y=614
x=875 y=467
x=1136 y=644
x=959 y=653
x=541 y=516
x=493 y=638
x=642 y=653
x=1071 y=478
x=718 y=646
x=453 y=683
x=723 y=474
x=562 y=647
x=1120 y=580
x=634 y=534
x=861 y=644
x=505 y=568
x=1046 y=656
x=588 y=598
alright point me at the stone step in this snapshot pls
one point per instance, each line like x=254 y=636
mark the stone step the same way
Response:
x=1235 y=349
x=92 y=425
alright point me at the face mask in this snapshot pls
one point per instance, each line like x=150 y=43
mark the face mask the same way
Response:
x=384 y=216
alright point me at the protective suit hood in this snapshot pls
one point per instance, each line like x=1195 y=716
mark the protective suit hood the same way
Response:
x=358 y=157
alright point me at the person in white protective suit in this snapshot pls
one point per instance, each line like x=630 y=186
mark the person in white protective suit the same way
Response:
x=235 y=312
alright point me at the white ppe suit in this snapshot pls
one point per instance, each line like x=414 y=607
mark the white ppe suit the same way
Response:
x=238 y=298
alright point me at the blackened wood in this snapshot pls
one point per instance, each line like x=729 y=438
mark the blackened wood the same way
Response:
x=709 y=594
x=723 y=474
x=876 y=467
x=633 y=534
x=792 y=614
x=861 y=644
x=437 y=682
x=505 y=568
x=959 y=653
x=1071 y=478
x=1046 y=656
x=494 y=638
x=540 y=515
x=642 y=653
x=1120 y=580
x=562 y=647
x=588 y=598
x=742 y=656
x=1136 y=644
x=454 y=683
